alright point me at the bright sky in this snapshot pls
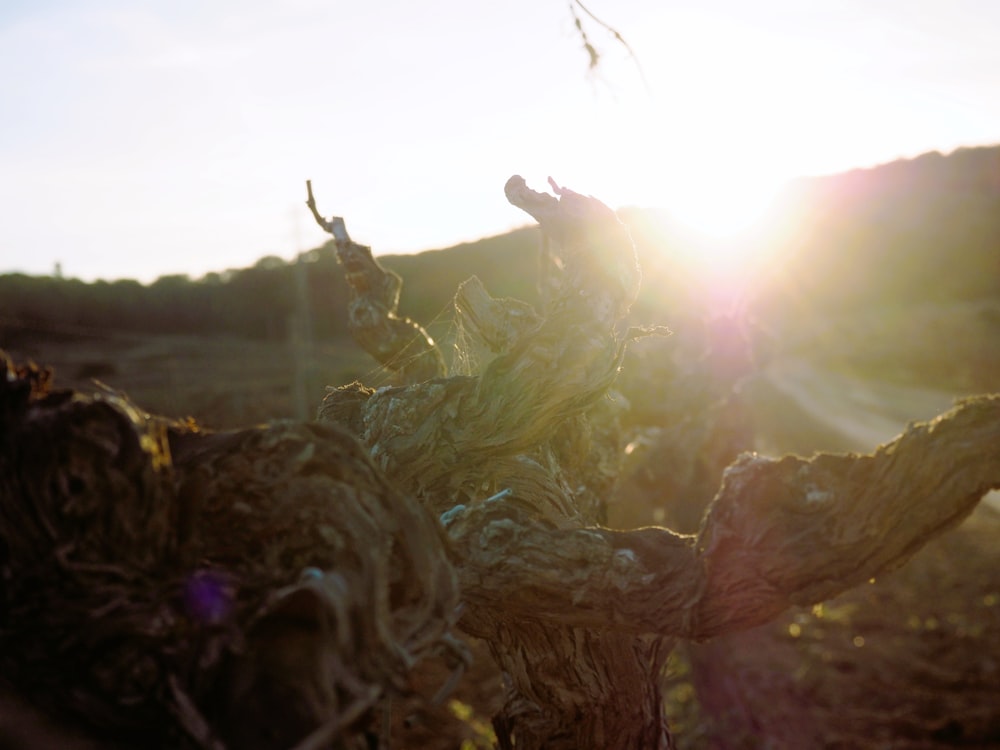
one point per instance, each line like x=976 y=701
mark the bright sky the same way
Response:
x=146 y=137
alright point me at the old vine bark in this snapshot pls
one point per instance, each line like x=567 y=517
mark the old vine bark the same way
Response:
x=274 y=587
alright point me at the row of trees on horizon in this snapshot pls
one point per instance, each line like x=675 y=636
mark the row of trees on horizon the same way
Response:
x=909 y=231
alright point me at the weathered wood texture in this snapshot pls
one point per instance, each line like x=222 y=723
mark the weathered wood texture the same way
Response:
x=261 y=588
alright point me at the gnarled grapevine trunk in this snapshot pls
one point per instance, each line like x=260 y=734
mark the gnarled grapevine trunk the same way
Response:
x=580 y=618
x=274 y=586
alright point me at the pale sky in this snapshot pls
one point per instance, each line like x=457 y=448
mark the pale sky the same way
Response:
x=147 y=137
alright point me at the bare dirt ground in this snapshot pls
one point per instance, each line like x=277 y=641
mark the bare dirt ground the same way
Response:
x=223 y=382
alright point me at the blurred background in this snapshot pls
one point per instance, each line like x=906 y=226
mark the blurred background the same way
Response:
x=142 y=139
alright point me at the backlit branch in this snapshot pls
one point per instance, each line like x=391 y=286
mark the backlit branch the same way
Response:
x=780 y=532
x=399 y=344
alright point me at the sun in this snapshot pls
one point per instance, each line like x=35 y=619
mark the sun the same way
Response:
x=718 y=216
x=720 y=205
x=715 y=187
x=722 y=127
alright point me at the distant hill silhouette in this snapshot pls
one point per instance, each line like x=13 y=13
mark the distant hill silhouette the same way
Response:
x=912 y=231
x=901 y=233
